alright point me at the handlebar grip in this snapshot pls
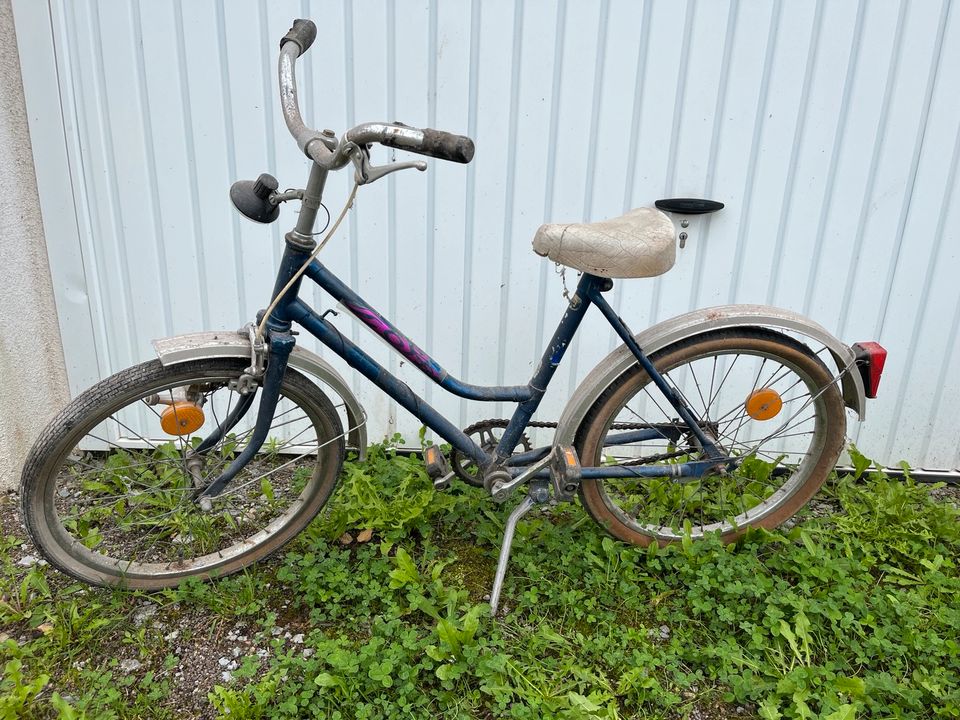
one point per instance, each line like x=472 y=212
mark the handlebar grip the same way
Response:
x=447 y=146
x=437 y=143
x=303 y=33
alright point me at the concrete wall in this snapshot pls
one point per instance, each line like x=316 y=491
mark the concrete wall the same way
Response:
x=33 y=379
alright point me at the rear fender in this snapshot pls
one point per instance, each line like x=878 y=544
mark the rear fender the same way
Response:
x=696 y=323
x=226 y=343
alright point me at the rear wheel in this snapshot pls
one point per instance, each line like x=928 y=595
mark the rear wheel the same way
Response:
x=108 y=488
x=769 y=402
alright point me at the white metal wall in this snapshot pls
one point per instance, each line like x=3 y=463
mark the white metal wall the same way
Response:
x=829 y=129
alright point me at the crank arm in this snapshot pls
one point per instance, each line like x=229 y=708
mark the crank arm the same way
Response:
x=501 y=490
x=281 y=344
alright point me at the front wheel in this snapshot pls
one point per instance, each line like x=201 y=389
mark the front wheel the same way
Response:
x=768 y=401
x=108 y=489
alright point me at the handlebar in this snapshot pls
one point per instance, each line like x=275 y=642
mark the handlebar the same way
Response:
x=323 y=148
x=303 y=33
x=434 y=143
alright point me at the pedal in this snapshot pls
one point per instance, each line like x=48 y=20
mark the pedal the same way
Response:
x=435 y=463
x=565 y=472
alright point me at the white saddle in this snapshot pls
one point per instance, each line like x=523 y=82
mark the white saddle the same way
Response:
x=641 y=243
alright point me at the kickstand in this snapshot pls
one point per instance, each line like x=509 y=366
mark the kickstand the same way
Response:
x=518 y=512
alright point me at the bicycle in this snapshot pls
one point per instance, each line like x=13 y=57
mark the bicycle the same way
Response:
x=214 y=455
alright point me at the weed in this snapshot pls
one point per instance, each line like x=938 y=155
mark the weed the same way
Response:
x=846 y=616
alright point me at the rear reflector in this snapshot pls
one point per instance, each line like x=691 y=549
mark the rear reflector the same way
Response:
x=870 y=359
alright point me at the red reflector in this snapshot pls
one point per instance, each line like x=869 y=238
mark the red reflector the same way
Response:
x=871 y=358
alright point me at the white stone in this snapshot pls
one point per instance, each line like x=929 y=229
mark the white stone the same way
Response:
x=144 y=614
x=129 y=665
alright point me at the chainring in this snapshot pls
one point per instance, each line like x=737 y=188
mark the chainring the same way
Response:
x=483 y=434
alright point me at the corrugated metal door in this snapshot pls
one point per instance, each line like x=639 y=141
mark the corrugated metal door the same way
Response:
x=829 y=129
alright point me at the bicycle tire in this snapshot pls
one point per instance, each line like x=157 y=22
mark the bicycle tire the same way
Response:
x=659 y=499
x=62 y=481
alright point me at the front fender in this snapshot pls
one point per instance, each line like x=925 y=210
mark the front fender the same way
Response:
x=695 y=323
x=227 y=343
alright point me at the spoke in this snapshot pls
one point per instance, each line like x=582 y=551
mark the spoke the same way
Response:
x=697 y=384
x=220 y=429
x=128 y=429
x=666 y=415
x=727 y=414
x=183 y=450
x=792 y=386
x=713 y=377
x=723 y=380
x=736 y=432
x=775 y=456
x=683 y=396
x=746 y=443
x=289 y=441
x=238 y=488
x=151 y=408
x=812 y=399
x=785 y=426
x=223 y=462
x=95 y=469
x=769 y=383
x=748 y=450
x=638 y=416
x=730 y=422
x=776 y=376
x=743 y=417
x=143 y=511
x=110 y=499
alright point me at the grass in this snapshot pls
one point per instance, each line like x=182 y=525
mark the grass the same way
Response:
x=848 y=615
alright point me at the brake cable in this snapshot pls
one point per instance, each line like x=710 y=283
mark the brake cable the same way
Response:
x=306 y=263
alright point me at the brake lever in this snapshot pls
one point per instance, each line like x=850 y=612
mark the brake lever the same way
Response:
x=367 y=173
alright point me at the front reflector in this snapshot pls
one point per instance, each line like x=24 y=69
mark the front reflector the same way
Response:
x=181 y=418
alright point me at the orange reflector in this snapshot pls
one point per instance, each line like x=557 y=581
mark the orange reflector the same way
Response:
x=763 y=404
x=181 y=418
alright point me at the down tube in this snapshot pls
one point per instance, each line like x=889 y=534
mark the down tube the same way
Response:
x=383 y=379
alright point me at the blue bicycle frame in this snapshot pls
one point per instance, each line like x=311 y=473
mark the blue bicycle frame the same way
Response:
x=291 y=309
